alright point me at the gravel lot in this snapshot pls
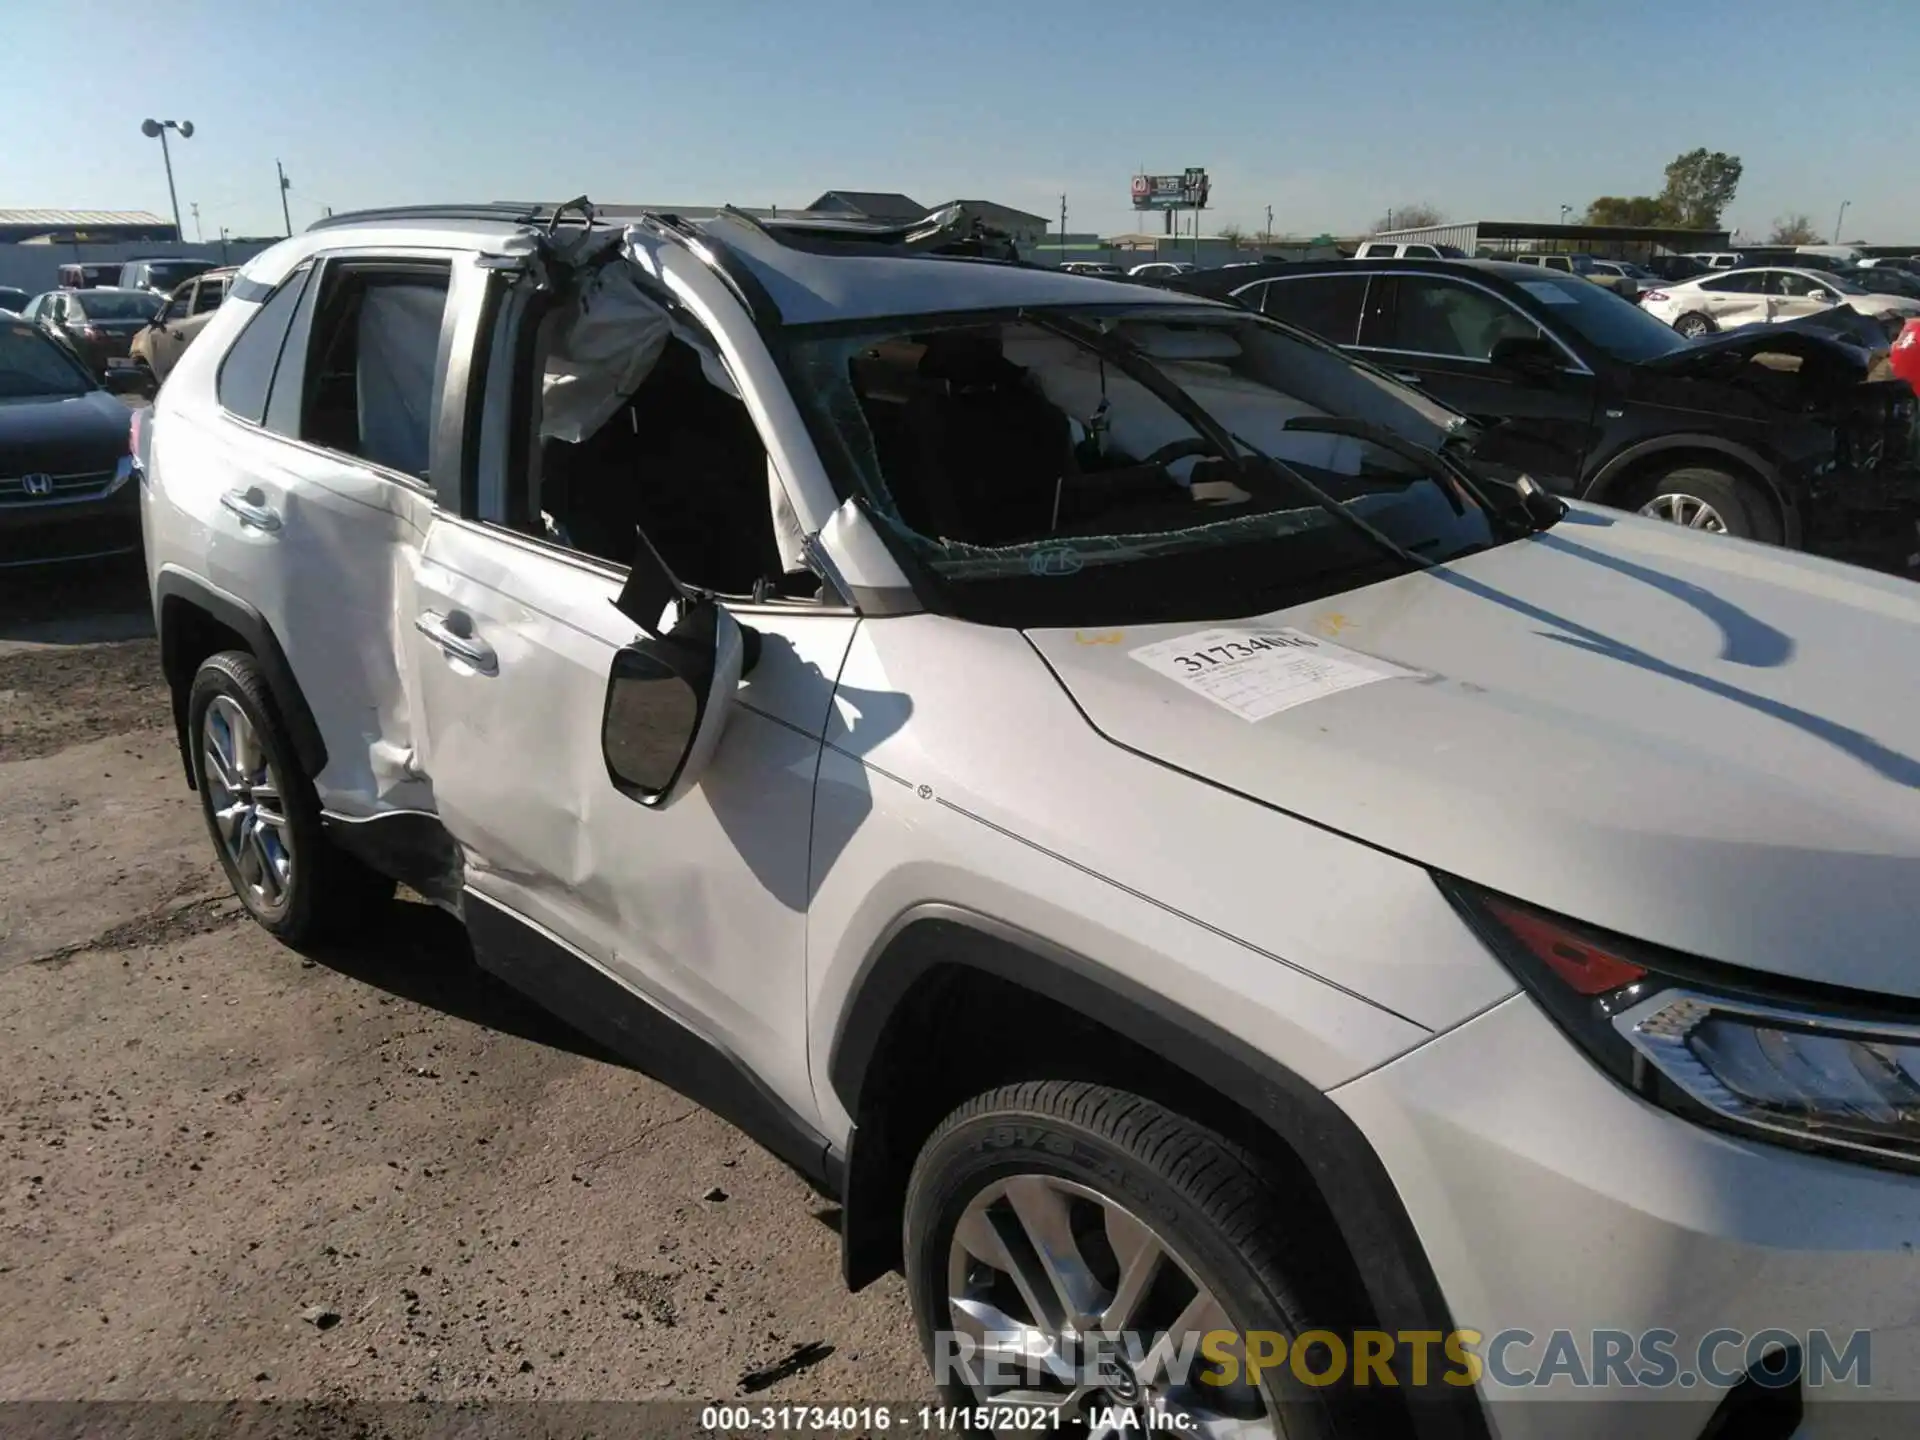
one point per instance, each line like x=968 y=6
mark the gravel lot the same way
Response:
x=228 y=1170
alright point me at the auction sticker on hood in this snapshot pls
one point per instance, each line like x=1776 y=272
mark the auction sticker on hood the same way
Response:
x=1257 y=673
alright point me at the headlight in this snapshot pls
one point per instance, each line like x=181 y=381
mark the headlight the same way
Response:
x=1810 y=1066
x=1801 y=1075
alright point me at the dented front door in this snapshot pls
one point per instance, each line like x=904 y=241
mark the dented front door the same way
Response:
x=700 y=906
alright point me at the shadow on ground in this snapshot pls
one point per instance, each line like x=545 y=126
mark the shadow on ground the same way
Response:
x=420 y=953
x=79 y=604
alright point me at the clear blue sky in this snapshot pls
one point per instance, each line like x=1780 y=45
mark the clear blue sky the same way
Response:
x=1328 y=113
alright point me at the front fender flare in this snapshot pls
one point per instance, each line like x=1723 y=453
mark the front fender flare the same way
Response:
x=1373 y=1222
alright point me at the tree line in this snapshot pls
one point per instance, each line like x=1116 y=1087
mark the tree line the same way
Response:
x=1699 y=186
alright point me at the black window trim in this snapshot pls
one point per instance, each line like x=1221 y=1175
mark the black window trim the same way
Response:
x=461 y=484
x=1365 y=277
x=302 y=274
x=314 y=265
x=1577 y=364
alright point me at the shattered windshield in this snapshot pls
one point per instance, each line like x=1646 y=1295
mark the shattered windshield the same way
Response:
x=1030 y=473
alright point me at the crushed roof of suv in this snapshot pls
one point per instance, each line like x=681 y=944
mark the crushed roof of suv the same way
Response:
x=813 y=269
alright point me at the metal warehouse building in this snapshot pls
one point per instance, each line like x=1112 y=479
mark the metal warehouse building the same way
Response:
x=1492 y=239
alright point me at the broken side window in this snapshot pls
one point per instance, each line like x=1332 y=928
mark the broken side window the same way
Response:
x=642 y=429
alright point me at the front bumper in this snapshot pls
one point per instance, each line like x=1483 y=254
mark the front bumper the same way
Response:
x=90 y=524
x=1550 y=1200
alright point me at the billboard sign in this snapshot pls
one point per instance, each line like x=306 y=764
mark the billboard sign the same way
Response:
x=1184 y=191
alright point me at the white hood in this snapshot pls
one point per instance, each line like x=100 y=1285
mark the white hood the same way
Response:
x=1705 y=743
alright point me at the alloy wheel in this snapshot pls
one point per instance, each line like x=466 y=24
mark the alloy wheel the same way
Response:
x=245 y=799
x=1688 y=510
x=1094 y=1310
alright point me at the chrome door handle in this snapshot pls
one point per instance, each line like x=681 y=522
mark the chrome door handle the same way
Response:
x=467 y=648
x=1407 y=377
x=252 y=508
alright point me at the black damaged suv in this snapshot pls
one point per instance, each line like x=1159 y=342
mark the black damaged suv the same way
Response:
x=1772 y=432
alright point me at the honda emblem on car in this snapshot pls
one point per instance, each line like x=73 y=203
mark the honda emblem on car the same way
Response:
x=37 y=484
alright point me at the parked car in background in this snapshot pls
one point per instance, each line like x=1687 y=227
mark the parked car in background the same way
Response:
x=1883 y=279
x=90 y=275
x=1794 y=258
x=1845 y=254
x=1160 y=269
x=13 y=299
x=1904 y=356
x=1587 y=268
x=1626 y=268
x=65 y=456
x=1675 y=267
x=186 y=313
x=1907 y=264
x=161 y=275
x=1593 y=397
x=97 y=324
x=1747 y=297
x=1407 y=250
x=1717 y=259
x=1092 y=267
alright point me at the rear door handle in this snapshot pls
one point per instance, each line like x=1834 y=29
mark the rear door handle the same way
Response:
x=252 y=508
x=453 y=633
x=1407 y=377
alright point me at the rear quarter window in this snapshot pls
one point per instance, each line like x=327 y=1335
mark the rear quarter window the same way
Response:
x=1325 y=305
x=246 y=374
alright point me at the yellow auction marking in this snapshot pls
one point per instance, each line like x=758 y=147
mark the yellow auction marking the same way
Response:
x=1099 y=637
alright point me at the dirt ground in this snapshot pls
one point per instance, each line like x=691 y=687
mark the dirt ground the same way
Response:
x=231 y=1171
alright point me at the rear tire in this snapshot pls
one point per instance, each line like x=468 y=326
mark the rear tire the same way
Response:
x=1117 y=1188
x=1718 y=502
x=1694 y=326
x=264 y=815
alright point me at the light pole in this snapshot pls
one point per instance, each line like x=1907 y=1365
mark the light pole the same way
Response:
x=1840 y=220
x=1565 y=210
x=285 y=185
x=151 y=128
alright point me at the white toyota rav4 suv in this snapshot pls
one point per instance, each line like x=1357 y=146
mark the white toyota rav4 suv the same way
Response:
x=1269 y=930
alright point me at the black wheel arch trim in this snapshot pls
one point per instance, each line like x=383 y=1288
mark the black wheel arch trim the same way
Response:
x=1602 y=482
x=1402 y=1287
x=309 y=748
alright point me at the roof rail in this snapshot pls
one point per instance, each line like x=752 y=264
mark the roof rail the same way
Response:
x=506 y=211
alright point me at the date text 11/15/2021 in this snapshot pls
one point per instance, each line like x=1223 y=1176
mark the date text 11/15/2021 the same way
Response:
x=927 y=1419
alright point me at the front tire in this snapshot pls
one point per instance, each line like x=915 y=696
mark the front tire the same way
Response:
x=264 y=815
x=1052 y=1210
x=1694 y=326
x=1700 y=497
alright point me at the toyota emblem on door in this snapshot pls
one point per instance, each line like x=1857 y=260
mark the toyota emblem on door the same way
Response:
x=37 y=484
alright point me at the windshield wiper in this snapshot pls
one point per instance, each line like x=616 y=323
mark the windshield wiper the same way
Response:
x=1133 y=363
x=1526 y=523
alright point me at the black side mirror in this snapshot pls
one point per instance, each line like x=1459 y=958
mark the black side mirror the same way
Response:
x=668 y=694
x=1527 y=355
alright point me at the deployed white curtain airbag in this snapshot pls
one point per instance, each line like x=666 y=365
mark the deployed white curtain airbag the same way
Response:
x=399 y=341
x=602 y=349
